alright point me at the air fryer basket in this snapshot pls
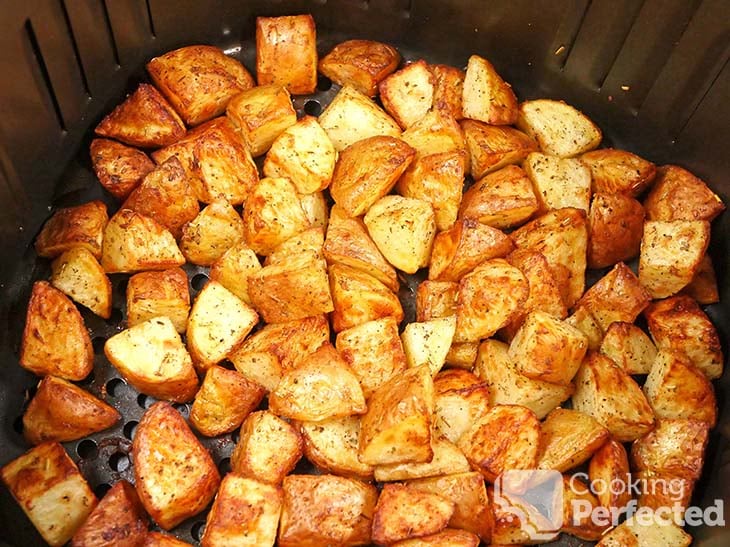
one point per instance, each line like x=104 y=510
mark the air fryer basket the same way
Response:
x=653 y=74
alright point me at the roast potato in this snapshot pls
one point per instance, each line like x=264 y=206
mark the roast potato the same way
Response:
x=155 y=294
x=79 y=275
x=217 y=228
x=486 y=96
x=286 y=52
x=408 y=93
x=360 y=64
x=118 y=167
x=69 y=227
x=618 y=171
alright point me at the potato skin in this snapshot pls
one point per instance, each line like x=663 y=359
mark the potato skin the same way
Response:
x=79 y=275
x=448 y=88
x=436 y=299
x=486 y=96
x=679 y=195
x=151 y=294
x=615 y=226
x=568 y=438
x=158 y=539
x=207 y=236
x=611 y=463
x=118 y=167
x=286 y=52
x=619 y=172
x=79 y=226
x=361 y=64
x=492 y=147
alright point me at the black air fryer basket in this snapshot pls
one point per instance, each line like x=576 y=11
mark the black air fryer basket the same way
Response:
x=653 y=74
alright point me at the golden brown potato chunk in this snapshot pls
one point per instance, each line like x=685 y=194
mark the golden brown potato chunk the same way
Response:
x=612 y=397
x=703 y=286
x=55 y=340
x=245 y=512
x=486 y=96
x=408 y=94
x=79 y=275
x=174 y=474
x=199 y=81
x=619 y=172
x=152 y=357
x=154 y=294
x=79 y=226
x=610 y=465
x=506 y=437
x=62 y=411
x=331 y=445
x=436 y=299
x=462 y=355
x=428 y=342
x=615 y=227
x=492 y=147
x=404 y=512
x=158 y=539
x=119 y=168
x=460 y=399
x=679 y=195
x=448 y=537
x=134 y=242
x=217 y=228
x=579 y=506
x=145 y=119
x=119 y=519
x=326 y=510
x=268 y=448
x=224 y=400
x=360 y=64
x=315 y=209
x=447 y=458
x=489 y=297
x=374 y=352
x=559 y=182
x=629 y=347
x=569 y=438
x=436 y=133
x=310 y=242
x=286 y=52
x=502 y=199
x=633 y=534
x=52 y=493
x=233 y=269
x=448 y=89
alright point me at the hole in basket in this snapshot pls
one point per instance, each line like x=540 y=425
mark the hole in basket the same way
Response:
x=130 y=428
x=18 y=425
x=324 y=83
x=115 y=387
x=102 y=489
x=182 y=408
x=199 y=281
x=145 y=401
x=119 y=462
x=224 y=466
x=86 y=449
x=313 y=108
x=197 y=530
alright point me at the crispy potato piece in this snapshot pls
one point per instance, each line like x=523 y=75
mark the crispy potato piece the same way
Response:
x=446 y=538
x=360 y=64
x=315 y=208
x=211 y=233
x=633 y=534
x=462 y=355
x=358 y=298
x=374 y=352
x=619 y=172
x=407 y=94
x=502 y=199
x=352 y=116
x=134 y=242
x=154 y=294
x=617 y=296
x=165 y=195
x=610 y=466
x=286 y=52
x=309 y=242
x=174 y=474
x=506 y=437
x=199 y=81
x=703 y=287
x=304 y=154
x=577 y=501
x=436 y=133
x=145 y=119
x=326 y=510
x=273 y=214
x=55 y=341
x=268 y=448
x=562 y=236
x=671 y=253
x=158 y=539
x=615 y=226
x=224 y=400
x=492 y=147
x=448 y=89
x=79 y=226
x=447 y=458
x=245 y=512
x=679 y=324
x=583 y=320
x=259 y=366
x=79 y=275
x=332 y=445
x=460 y=399
x=216 y=161
x=486 y=96
x=515 y=517
x=367 y=170
x=403 y=229
x=119 y=168
x=658 y=491
x=349 y=243
x=489 y=297
x=569 y=438
x=548 y=349
x=61 y=411
x=261 y=114
x=233 y=269
x=508 y=387
x=606 y=392
x=428 y=342
x=559 y=182
x=629 y=347
x=119 y=519
x=218 y=323
x=404 y=512
x=459 y=250
x=52 y=493
x=322 y=387
x=152 y=357
x=675 y=388
x=560 y=129
x=397 y=425
x=276 y=290
x=679 y=195
x=472 y=507
x=435 y=299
